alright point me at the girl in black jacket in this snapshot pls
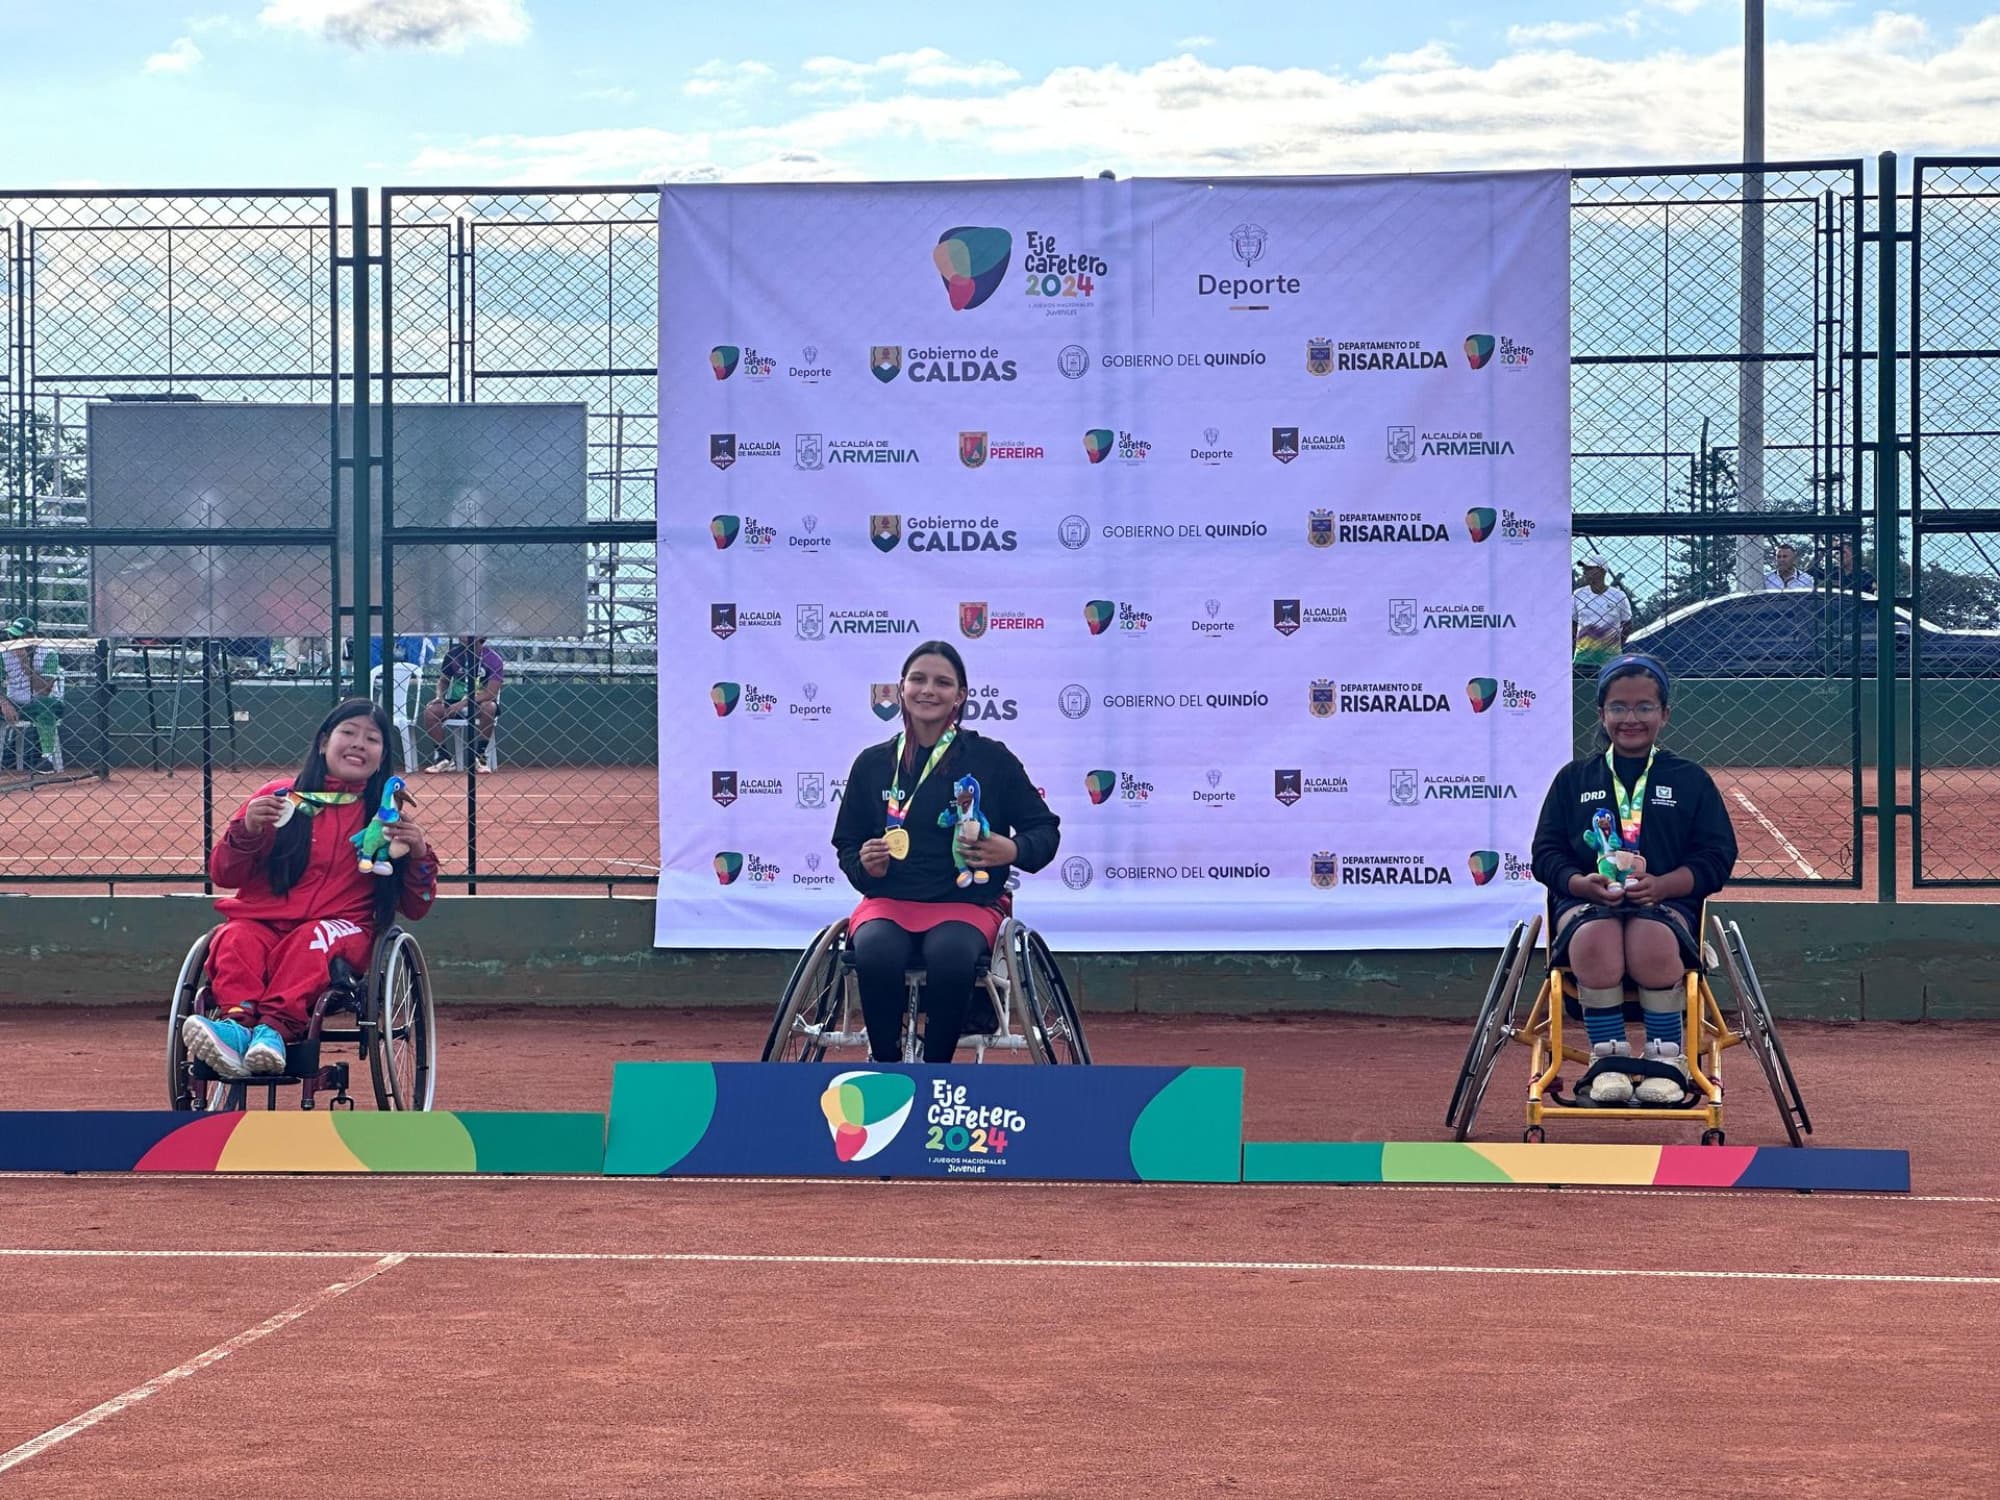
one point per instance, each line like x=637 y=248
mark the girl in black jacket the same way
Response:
x=902 y=846
x=1669 y=832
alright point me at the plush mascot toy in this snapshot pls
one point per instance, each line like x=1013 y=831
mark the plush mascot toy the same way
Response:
x=1614 y=862
x=971 y=827
x=376 y=845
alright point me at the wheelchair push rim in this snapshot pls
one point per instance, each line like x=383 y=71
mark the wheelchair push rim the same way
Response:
x=1480 y=1018
x=1495 y=1027
x=185 y=1092
x=1054 y=1025
x=401 y=1043
x=1760 y=1033
x=810 y=1003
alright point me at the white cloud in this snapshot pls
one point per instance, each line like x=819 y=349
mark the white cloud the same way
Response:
x=1810 y=10
x=178 y=58
x=444 y=24
x=1432 y=57
x=1562 y=33
x=717 y=79
x=926 y=68
x=1194 y=43
x=609 y=95
x=1846 y=93
x=642 y=154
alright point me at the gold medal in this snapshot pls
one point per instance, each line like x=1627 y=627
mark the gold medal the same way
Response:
x=898 y=840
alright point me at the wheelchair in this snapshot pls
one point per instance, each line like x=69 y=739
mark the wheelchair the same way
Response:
x=1707 y=1032
x=1020 y=1003
x=394 y=1028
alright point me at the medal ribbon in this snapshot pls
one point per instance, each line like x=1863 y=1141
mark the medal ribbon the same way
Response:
x=937 y=754
x=1632 y=809
x=311 y=802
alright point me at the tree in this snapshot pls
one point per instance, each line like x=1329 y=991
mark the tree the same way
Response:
x=33 y=465
x=28 y=465
x=1699 y=566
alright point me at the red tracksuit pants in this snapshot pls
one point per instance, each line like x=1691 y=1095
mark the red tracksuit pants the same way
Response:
x=273 y=971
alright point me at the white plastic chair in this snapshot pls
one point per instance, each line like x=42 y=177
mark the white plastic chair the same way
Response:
x=457 y=728
x=402 y=707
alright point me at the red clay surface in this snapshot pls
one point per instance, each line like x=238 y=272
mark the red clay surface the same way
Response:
x=1363 y=1341
x=602 y=823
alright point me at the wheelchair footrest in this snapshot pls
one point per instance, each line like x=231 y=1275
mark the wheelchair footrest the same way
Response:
x=1631 y=1067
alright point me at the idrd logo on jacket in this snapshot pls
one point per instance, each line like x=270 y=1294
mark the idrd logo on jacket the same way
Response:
x=864 y=1111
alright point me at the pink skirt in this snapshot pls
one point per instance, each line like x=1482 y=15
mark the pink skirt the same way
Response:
x=922 y=916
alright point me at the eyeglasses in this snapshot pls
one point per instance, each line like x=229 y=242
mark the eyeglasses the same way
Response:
x=1615 y=710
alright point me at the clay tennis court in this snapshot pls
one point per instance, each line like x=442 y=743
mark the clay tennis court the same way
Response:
x=601 y=823
x=467 y=1337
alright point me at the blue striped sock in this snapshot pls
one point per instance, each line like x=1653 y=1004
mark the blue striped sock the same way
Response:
x=1663 y=1026
x=1606 y=1025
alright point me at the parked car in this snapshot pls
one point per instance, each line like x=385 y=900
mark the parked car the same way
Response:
x=1803 y=634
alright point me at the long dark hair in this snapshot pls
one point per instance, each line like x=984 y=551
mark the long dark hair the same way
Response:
x=293 y=845
x=950 y=653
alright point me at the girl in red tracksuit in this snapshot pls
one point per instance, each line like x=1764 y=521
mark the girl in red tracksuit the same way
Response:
x=302 y=899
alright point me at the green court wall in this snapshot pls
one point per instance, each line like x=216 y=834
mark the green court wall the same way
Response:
x=1834 y=961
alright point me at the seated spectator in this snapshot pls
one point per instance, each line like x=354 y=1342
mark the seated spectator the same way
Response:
x=31 y=688
x=1787 y=575
x=468 y=688
x=1600 y=617
x=1845 y=575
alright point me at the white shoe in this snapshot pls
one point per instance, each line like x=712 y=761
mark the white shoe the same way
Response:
x=1664 y=1090
x=1611 y=1087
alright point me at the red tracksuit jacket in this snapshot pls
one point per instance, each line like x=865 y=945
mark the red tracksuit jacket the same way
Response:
x=332 y=884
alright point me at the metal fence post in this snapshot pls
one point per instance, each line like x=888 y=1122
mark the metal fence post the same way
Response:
x=1888 y=454
x=362 y=471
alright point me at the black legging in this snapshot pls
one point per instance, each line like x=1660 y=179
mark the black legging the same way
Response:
x=948 y=953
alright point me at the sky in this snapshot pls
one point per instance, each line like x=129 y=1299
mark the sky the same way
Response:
x=340 y=93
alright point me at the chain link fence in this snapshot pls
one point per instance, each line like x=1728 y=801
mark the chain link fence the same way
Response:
x=1953 y=652
x=511 y=349
x=174 y=580
x=1716 y=426
x=517 y=489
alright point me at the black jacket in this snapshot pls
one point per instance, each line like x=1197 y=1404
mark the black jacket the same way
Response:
x=1008 y=799
x=1684 y=823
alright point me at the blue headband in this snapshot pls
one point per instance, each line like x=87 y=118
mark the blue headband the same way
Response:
x=1626 y=665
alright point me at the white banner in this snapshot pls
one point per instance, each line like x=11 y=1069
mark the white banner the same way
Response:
x=1247 y=503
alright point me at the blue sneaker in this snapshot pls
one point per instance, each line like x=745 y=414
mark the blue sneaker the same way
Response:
x=220 y=1044
x=266 y=1052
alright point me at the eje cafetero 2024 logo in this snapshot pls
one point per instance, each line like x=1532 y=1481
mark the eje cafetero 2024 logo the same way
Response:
x=972 y=260
x=866 y=1111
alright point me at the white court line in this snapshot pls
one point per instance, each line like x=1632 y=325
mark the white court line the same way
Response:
x=195 y=1366
x=1014 y=1262
x=938 y=1184
x=1771 y=828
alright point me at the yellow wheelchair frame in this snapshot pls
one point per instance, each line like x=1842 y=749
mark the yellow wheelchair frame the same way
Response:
x=1708 y=1029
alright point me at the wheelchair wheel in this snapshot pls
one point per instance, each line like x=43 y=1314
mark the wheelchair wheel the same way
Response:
x=1054 y=1025
x=1759 y=1031
x=400 y=1025
x=810 y=1005
x=1492 y=1029
x=184 y=1090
